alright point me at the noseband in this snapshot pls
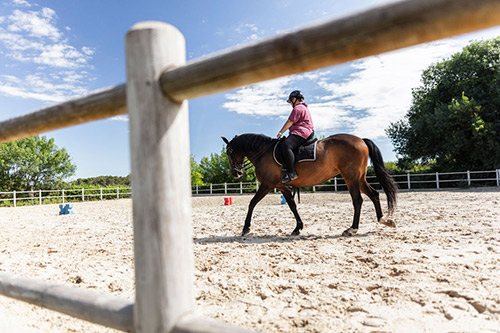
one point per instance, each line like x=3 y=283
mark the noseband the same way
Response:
x=238 y=167
x=242 y=167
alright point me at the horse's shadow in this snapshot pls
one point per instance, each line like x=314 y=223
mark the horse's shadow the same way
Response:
x=255 y=239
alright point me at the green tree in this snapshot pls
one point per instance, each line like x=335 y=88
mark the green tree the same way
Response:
x=216 y=169
x=196 y=175
x=101 y=181
x=36 y=159
x=454 y=119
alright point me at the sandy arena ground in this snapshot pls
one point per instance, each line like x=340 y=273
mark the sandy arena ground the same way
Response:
x=438 y=271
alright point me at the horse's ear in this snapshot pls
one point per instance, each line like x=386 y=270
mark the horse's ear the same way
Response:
x=225 y=140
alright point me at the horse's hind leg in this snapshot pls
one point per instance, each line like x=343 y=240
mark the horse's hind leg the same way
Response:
x=375 y=198
x=357 y=201
x=293 y=207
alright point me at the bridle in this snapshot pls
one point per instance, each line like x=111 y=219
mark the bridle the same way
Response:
x=238 y=167
x=243 y=167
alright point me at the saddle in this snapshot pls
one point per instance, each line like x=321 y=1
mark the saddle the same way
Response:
x=306 y=152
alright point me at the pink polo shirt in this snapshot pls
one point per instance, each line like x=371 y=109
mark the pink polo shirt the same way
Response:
x=302 y=122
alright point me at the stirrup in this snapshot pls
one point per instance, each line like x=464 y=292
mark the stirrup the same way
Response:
x=289 y=177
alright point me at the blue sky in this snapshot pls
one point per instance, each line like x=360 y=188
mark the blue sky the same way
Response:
x=51 y=51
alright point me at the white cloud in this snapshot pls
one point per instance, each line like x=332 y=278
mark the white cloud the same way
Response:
x=263 y=99
x=21 y=3
x=56 y=88
x=88 y=51
x=380 y=90
x=22 y=93
x=242 y=28
x=376 y=93
x=60 y=55
x=47 y=67
x=36 y=24
x=120 y=118
x=33 y=37
x=329 y=117
x=250 y=31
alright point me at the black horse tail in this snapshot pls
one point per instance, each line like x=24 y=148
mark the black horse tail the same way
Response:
x=388 y=184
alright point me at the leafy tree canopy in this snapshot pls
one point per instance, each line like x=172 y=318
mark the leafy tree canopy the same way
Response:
x=102 y=181
x=34 y=160
x=454 y=119
x=216 y=169
x=196 y=175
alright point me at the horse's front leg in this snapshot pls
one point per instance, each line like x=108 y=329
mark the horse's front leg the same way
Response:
x=293 y=207
x=261 y=193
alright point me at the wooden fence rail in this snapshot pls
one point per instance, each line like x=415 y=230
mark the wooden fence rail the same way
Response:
x=381 y=29
x=91 y=306
x=99 y=105
x=371 y=32
x=159 y=141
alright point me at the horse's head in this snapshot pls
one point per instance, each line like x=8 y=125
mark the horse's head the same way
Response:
x=235 y=159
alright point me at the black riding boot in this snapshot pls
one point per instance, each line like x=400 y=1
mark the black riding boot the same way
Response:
x=291 y=142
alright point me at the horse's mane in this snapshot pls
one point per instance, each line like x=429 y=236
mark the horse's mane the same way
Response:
x=250 y=142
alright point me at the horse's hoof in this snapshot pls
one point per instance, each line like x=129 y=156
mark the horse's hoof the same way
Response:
x=296 y=233
x=349 y=232
x=387 y=222
x=245 y=232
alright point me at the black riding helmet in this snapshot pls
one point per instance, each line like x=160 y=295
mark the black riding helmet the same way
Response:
x=297 y=94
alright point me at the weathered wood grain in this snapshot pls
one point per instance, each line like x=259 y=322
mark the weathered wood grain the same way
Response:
x=80 y=303
x=382 y=29
x=96 y=106
x=161 y=180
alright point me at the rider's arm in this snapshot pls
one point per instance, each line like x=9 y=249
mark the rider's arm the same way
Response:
x=287 y=125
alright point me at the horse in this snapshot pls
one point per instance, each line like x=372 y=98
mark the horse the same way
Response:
x=342 y=154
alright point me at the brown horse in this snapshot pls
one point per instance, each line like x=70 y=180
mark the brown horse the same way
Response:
x=342 y=154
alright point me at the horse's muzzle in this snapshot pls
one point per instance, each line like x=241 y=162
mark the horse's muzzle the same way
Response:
x=237 y=170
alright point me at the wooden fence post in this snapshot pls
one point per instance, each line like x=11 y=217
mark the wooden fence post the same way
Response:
x=14 y=198
x=437 y=179
x=161 y=181
x=408 y=180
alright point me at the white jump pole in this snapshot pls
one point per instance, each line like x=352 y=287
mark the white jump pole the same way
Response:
x=159 y=142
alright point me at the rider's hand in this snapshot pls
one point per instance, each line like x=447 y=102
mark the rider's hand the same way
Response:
x=278 y=136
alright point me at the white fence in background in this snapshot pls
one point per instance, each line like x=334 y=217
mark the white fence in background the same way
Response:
x=409 y=181
x=39 y=197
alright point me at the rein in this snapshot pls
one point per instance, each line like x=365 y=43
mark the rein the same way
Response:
x=248 y=164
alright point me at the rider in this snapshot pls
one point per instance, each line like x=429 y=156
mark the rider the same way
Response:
x=301 y=129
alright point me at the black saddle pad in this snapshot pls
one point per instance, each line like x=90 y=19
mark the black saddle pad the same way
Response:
x=302 y=154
